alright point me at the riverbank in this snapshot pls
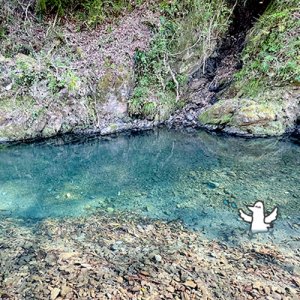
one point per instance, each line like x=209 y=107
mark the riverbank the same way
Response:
x=111 y=256
x=142 y=67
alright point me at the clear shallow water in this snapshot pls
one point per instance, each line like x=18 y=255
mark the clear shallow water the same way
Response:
x=199 y=178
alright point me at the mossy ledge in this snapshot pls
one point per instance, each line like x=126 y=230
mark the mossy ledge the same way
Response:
x=264 y=100
x=269 y=114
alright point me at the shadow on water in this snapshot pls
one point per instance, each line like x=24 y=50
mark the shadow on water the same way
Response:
x=199 y=178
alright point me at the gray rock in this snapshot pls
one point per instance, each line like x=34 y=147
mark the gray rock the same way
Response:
x=158 y=258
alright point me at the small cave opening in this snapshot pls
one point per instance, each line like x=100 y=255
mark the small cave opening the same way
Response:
x=245 y=14
x=213 y=78
x=227 y=53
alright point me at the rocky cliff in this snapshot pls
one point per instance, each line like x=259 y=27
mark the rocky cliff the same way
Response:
x=172 y=62
x=264 y=98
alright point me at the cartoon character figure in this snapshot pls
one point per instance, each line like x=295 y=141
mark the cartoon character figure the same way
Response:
x=259 y=222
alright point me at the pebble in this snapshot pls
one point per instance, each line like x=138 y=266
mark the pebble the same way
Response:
x=231 y=174
x=158 y=258
x=256 y=285
x=267 y=290
x=233 y=205
x=226 y=202
x=190 y=117
x=54 y=293
x=170 y=289
x=296 y=270
x=190 y=284
x=65 y=290
x=110 y=210
x=81 y=248
x=68 y=195
x=212 y=185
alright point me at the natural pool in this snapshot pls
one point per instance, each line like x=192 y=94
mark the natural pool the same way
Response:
x=199 y=178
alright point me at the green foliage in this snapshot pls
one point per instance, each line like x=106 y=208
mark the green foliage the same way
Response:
x=3 y=32
x=154 y=61
x=272 y=55
x=98 y=11
x=53 y=83
x=27 y=72
x=137 y=102
x=153 y=71
x=184 y=25
x=91 y=12
x=68 y=80
x=25 y=75
x=57 y=6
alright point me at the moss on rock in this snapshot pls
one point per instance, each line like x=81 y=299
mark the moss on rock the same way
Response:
x=219 y=114
x=270 y=113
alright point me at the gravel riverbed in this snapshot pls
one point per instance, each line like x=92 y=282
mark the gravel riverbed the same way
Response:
x=123 y=256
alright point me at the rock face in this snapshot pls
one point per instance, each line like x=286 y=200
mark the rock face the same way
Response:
x=34 y=110
x=264 y=98
x=84 y=81
x=88 y=81
x=82 y=85
x=270 y=114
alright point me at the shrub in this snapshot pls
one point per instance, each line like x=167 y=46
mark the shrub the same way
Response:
x=91 y=12
x=184 y=25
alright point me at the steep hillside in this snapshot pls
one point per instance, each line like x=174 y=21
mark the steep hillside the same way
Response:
x=99 y=66
x=265 y=96
x=68 y=66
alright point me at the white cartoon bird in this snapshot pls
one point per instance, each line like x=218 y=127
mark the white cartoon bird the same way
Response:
x=259 y=222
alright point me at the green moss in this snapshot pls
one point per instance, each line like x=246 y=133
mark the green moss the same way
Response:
x=266 y=114
x=106 y=80
x=49 y=132
x=209 y=119
x=22 y=103
x=252 y=112
x=275 y=128
x=16 y=111
x=111 y=80
x=113 y=127
x=186 y=35
x=272 y=53
x=12 y=133
x=219 y=114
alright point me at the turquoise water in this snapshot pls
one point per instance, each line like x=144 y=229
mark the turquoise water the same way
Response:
x=199 y=178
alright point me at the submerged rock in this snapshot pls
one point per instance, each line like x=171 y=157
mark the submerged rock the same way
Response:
x=212 y=185
x=110 y=209
x=117 y=253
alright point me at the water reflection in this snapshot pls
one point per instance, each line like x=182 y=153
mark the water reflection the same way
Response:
x=161 y=174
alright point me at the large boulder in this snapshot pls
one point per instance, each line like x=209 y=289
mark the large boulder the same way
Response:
x=269 y=114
